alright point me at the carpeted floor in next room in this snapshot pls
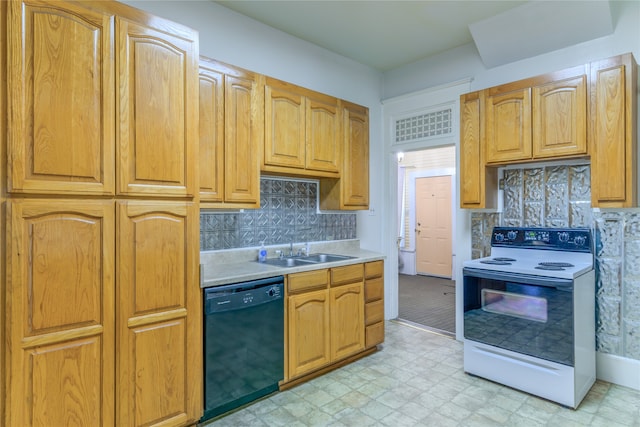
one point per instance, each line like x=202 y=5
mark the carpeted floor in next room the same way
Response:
x=427 y=301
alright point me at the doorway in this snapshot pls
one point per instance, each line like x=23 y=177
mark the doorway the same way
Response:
x=426 y=218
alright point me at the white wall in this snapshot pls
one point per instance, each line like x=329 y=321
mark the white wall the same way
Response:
x=235 y=39
x=465 y=62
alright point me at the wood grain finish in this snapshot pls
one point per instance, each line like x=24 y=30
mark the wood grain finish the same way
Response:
x=61 y=98
x=307 y=280
x=355 y=177
x=158 y=321
x=302 y=131
x=613 y=142
x=347 y=326
x=158 y=133
x=309 y=332
x=478 y=183
x=374 y=303
x=560 y=118
x=61 y=293
x=347 y=274
x=508 y=125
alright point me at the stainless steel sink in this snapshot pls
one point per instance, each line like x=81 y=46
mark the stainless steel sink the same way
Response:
x=305 y=260
x=327 y=257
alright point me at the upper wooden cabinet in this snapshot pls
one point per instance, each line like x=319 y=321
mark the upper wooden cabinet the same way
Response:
x=61 y=98
x=538 y=118
x=478 y=182
x=613 y=142
x=351 y=191
x=158 y=117
x=302 y=131
x=231 y=135
x=86 y=118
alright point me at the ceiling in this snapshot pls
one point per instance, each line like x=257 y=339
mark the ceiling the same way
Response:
x=389 y=34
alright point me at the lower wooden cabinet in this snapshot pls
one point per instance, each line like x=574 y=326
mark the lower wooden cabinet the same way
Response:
x=374 y=303
x=103 y=313
x=325 y=318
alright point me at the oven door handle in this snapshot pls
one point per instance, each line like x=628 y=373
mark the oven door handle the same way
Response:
x=527 y=279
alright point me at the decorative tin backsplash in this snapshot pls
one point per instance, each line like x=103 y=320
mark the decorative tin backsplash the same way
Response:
x=288 y=213
x=560 y=196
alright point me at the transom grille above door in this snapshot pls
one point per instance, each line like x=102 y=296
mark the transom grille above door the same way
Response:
x=427 y=125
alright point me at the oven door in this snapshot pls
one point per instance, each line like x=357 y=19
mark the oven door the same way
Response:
x=526 y=314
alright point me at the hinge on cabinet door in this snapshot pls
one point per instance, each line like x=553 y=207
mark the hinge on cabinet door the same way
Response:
x=501 y=184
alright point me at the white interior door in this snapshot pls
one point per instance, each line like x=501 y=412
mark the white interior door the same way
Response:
x=433 y=226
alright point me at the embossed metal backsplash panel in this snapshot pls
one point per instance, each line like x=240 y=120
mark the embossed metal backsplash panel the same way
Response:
x=560 y=196
x=288 y=213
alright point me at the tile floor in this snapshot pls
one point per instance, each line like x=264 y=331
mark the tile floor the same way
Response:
x=417 y=379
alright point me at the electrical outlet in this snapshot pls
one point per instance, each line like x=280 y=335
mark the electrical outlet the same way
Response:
x=372 y=212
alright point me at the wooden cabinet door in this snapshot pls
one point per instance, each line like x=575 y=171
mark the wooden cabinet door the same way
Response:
x=284 y=144
x=60 y=299
x=613 y=145
x=211 y=112
x=347 y=320
x=478 y=183
x=323 y=141
x=244 y=137
x=60 y=90
x=560 y=118
x=159 y=337
x=309 y=332
x=508 y=125
x=157 y=84
x=355 y=172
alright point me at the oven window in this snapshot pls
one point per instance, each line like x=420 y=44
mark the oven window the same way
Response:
x=522 y=317
x=516 y=305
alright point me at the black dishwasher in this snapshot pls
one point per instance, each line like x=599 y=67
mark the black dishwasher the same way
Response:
x=243 y=343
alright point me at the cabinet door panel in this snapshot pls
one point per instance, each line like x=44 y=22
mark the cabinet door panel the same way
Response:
x=211 y=133
x=560 y=118
x=284 y=128
x=60 y=292
x=508 y=126
x=243 y=138
x=355 y=174
x=159 y=313
x=347 y=320
x=471 y=152
x=613 y=146
x=323 y=143
x=61 y=99
x=309 y=333
x=158 y=133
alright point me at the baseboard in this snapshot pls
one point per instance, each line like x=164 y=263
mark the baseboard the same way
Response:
x=618 y=370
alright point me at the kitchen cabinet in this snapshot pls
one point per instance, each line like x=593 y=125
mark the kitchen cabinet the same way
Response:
x=61 y=98
x=538 y=118
x=231 y=134
x=157 y=121
x=302 y=131
x=351 y=191
x=60 y=311
x=374 y=303
x=325 y=318
x=101 y=278
x=613 y=141
x=159 y=313
x=478 y=182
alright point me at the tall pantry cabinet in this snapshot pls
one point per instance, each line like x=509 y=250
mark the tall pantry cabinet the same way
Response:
x=101 y=320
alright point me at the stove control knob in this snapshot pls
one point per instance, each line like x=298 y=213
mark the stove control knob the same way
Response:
x=511 y=235
x=580 y=240
x=499 y=237
x=563 y=236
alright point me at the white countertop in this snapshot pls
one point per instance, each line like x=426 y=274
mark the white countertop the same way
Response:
x=240 y=265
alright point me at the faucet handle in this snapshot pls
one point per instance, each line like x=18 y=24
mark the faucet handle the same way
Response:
x=280 y=254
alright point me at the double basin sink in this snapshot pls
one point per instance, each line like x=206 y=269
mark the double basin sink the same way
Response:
x=305 y=260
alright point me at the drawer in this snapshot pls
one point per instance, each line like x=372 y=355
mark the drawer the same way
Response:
x=347 y=274
x=299 y=282
x=374 y=334
x=373 y=312
x=373 y=289
x=373 y=269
